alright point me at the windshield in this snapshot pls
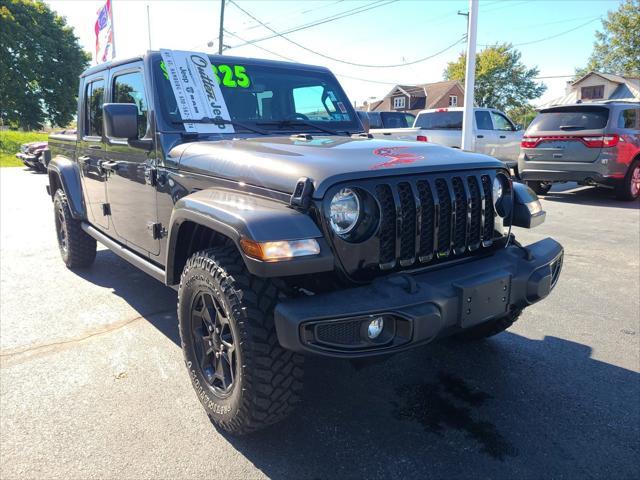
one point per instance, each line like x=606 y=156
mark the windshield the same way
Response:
x=439 y=121
x=272 y=97
x=570 y=119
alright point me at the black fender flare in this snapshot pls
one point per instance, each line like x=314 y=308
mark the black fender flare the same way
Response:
x=237 y=216
x=66 y=172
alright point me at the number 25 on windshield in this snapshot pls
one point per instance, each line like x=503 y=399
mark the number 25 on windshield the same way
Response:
x=231 y=77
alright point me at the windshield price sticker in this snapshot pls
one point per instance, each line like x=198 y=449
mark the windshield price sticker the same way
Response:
x=232 y=76
x=196 y=90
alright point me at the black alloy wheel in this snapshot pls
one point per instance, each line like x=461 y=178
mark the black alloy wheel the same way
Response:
x=213 y=343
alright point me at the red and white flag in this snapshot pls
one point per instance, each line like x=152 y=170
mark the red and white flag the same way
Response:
x=105 y=46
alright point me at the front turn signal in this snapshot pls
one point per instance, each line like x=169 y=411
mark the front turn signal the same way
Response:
x=280 y=250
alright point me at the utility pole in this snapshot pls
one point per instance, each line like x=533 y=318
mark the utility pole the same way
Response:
x=221 y=34
x=149 y=26
x=470 y=77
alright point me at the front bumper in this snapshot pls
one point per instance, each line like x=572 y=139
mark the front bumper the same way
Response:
x=419 y=307
x=28 y=159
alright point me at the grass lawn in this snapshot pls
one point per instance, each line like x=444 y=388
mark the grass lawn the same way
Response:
x=10 y=142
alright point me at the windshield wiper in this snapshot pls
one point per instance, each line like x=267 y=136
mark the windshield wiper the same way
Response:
x=571 y=127
x=291 y=123
x=222 y=121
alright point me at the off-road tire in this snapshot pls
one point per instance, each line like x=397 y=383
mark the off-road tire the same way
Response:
x=623 y=190
x=78 y=250
x=540 y=188
x=268 y=379
x=490 y=328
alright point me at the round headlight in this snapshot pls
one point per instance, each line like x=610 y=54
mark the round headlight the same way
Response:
x=344 y=211
x=498 y=190
x=502 y=200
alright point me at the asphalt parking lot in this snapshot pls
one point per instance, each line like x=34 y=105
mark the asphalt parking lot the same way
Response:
x=93 y=385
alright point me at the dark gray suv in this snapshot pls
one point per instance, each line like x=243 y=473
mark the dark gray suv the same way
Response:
x=594 y=143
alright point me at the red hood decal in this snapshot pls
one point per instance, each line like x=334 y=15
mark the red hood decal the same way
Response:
x=396 y=155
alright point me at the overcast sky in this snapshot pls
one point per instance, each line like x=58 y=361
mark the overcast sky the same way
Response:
x=392 y=32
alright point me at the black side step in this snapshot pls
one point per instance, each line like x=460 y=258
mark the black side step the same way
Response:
x=126 y=254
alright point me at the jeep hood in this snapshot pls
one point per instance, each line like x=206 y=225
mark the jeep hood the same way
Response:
x=278 y=163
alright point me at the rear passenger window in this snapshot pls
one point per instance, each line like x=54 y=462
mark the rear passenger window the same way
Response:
x=483 y=120
x=629 y=118
x=94 y=98
x=129 y=88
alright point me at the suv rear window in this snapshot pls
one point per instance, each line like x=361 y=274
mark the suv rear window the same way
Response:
x=439 y=120
x=569 y=119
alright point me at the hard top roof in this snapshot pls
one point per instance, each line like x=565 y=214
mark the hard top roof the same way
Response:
x=227 y=59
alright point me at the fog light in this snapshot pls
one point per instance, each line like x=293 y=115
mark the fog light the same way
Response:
x=375 y=328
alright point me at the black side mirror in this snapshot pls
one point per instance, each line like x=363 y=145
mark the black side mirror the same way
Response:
x=518 y=127
x=121 y=120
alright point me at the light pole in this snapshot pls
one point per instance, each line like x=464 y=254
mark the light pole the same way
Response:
x=221 y=34
x=470 y=77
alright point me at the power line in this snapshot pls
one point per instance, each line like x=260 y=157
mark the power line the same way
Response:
x=346 y=62
x=346 y=13
x=306 y=9
x=544 y=39
x=296 y=61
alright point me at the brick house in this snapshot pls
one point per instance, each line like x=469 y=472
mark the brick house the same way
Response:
x=413 y=98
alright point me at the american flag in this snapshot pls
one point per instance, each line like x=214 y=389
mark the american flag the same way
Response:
x=105 y=46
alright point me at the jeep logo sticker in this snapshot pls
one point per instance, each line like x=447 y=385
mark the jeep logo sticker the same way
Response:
x=196 y=90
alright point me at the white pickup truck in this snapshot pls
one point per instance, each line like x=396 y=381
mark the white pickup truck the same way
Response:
x=493 y=132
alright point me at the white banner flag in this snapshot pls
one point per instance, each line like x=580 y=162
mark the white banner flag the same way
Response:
x=196 y=90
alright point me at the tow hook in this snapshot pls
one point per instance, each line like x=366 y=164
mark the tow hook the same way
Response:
x=403 y=280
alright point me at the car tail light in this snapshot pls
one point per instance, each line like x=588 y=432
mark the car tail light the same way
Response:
x=601 y=141
x=596 y=141
x=442 y=110
x=529 y=142
x=422 y=138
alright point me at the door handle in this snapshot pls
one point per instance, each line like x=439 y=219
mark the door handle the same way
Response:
x=480 y=136
x=503 y=136
x=112 y=166
x=95 y=147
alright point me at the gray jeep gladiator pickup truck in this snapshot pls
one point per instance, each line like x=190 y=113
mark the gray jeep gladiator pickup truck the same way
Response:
x=250 y=187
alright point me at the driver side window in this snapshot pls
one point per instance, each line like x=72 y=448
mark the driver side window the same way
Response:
x=314 y=103
x=500 y=122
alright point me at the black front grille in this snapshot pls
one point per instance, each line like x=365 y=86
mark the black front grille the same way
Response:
x=427 y=218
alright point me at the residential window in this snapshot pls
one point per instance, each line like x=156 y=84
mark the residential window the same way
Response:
x=593 y=93
x=129 y=88
x=399 y=102
x=93 y=100
x=453 y=100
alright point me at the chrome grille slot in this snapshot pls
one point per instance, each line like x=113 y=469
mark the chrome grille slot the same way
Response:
x=427 y=221
x=475 y=224
x=408 y=227
x=387 y=226
x=444 y=218
x=460 y=228
x=487 y=232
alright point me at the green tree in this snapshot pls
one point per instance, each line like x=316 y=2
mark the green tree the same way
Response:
x=522 y=115
x=502 y=80
x=617 y=47
x=40 y=61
